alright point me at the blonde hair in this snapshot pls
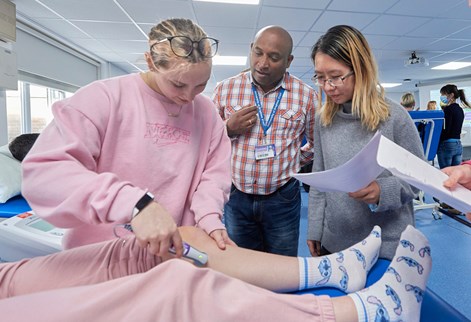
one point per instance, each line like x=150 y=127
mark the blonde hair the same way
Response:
x=347 y=45
x=431 y=105
x=162 y=53
x=408 y=100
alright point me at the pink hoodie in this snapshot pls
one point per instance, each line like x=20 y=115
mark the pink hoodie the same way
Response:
x=110 y=143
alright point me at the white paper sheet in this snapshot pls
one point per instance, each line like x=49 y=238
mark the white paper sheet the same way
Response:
x=379 y=154
x=352 y=176
x=421 y=174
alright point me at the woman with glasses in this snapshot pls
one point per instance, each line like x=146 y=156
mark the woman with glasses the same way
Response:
x=355 y=109
x=145 y=149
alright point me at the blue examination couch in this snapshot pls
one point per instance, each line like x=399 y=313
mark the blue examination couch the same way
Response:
x=13 y=207
x=434 y=308
x=430 y=125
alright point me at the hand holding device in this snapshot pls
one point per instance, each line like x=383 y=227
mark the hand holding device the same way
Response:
x=198 y=257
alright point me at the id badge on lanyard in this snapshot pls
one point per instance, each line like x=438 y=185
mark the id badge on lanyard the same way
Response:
x=266 y=151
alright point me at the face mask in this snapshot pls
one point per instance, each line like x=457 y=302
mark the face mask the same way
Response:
x=444 y=100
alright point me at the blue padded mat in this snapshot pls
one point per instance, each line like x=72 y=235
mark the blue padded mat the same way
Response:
x=13 y=206
x=433 y=309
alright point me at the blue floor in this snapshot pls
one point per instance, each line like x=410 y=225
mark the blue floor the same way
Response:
x=450 y=242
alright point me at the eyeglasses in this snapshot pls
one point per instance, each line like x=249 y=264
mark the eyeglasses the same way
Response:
x=334 y=82
x=183 y=46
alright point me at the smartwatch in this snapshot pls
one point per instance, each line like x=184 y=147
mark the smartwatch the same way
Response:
x=142 y=203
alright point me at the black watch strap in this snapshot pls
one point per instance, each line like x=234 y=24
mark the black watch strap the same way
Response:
x=142 y=203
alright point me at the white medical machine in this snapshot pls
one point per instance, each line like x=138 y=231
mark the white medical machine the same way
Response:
x=26 y=235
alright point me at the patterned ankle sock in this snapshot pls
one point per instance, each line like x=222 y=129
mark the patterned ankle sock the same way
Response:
x=398 y=295
x=345 y=270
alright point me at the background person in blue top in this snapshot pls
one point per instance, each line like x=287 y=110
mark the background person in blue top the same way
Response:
x=450 y=150
x=354 y=110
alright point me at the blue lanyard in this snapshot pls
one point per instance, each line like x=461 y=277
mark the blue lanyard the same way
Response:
x=266 y=125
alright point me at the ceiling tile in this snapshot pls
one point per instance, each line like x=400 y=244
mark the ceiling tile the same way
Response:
x=441 y=30
x=410 y=43
x=225 y=15
x=447 y=45
x=300 y=4
x=293 y=19
x=373 y=6
x=153 y=11
x=379 y=42
x=230 y=35
x=110 y=30
x=86 y=10
x=393 y=26
x=423 y=8
x=333 y=18
x=34 y=10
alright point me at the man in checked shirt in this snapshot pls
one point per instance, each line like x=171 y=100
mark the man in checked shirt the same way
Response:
x=267 y=112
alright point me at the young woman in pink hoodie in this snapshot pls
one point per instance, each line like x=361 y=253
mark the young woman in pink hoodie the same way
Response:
x=147 y=149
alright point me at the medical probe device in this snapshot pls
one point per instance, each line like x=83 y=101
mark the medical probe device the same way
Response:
x=198 y=257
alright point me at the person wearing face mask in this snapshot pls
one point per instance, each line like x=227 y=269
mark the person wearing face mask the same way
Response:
x=354 y=110
x=450 y=150
x=146 y=149
x=267 y=113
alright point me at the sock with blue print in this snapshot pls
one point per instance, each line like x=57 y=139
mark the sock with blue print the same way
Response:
x=345 y=270
x=398 y=295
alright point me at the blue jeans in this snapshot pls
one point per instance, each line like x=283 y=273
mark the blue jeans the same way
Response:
x=449 y=153
x=268 y=223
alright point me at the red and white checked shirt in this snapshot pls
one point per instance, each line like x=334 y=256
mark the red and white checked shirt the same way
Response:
x=293 y=120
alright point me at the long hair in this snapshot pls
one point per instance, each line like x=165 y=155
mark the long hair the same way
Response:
x=458 y=93
x=162 y=53
x=347 y=45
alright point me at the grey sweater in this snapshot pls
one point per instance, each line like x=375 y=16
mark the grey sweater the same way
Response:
x=340 y=221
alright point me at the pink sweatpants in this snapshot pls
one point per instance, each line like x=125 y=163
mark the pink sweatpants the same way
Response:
x=116 y=281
